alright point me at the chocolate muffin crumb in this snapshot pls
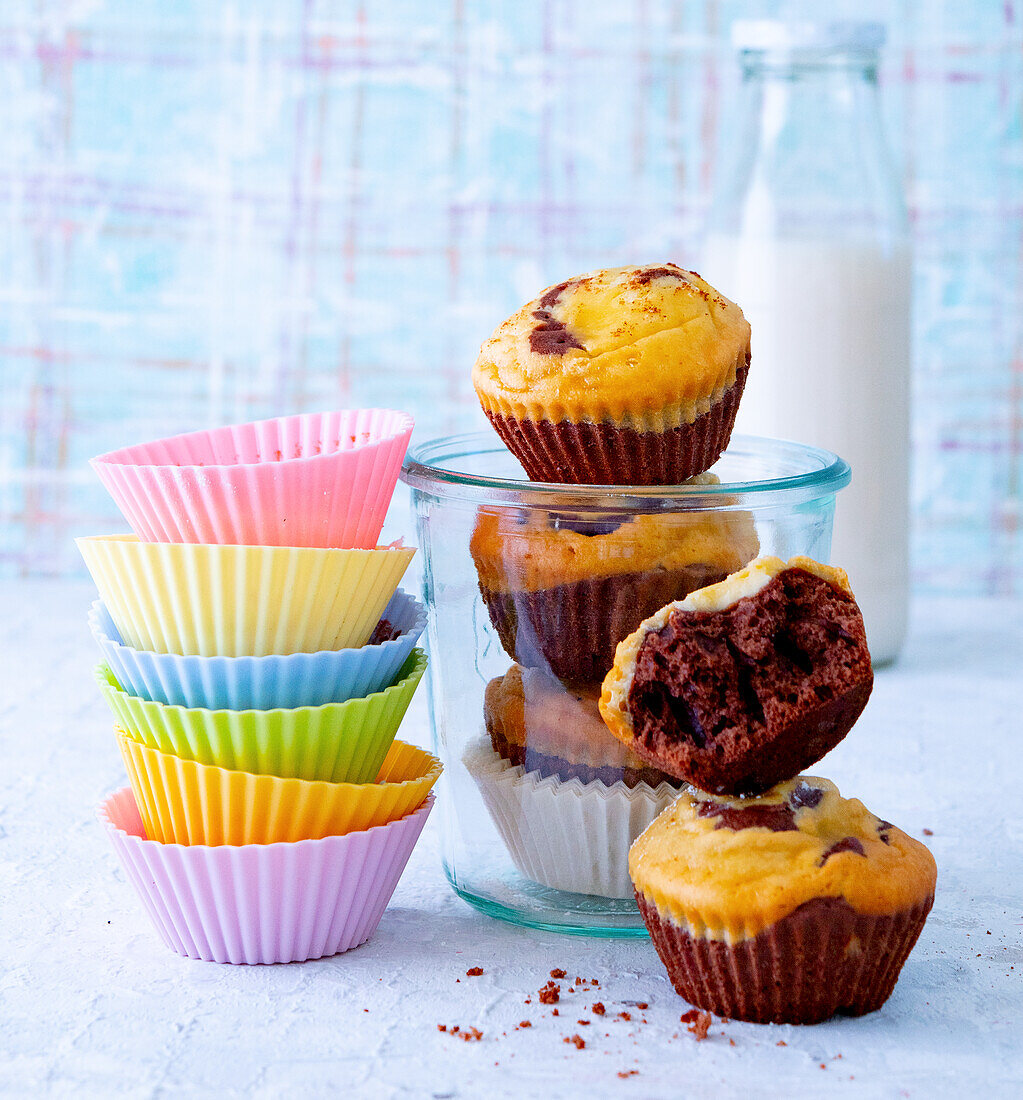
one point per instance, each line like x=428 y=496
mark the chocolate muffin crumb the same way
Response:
x=550 y=994
x=383 y=632
x=474 y=972
x=739 y=699
x=701 y=1025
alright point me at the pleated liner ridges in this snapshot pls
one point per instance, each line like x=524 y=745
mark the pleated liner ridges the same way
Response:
x=170 y=490
x=602 y=453
x=338 y=742
x=571 y=836
x=263 y=683
x=273 y=903
x=182 y=802
x=241 y=601
x=572 y=630
x=821 y=959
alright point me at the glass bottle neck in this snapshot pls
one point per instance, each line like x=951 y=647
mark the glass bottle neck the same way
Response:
x=807 y=155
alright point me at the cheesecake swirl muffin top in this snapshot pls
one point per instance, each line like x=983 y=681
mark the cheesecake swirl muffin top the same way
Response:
x=647 y=347
x=531 y=551
x=727 y=868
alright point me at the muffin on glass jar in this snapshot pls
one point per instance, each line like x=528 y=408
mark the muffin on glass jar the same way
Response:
x=563 y=591
x=627 y=376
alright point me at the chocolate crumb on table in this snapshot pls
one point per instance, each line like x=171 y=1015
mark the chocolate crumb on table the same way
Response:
x=550 y=994
x=557 y=972
x=598 y=1008
x=475 y=972
x=623 y=1073
x=928 y=832
x=699 y=1022
x=701 y=1026
x=579 y=1041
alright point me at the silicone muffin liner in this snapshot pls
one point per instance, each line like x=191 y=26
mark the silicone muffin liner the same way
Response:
x=572 y=630
x=273 y=903
x=571 y=836
x=337 y=743
x=603 y=453
x=317 y=479
x=182 y=802
x=265 y=683
x=241 y=601
x=821 y=959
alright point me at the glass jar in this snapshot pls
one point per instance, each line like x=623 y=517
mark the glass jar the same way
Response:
x=529 y=587
x=808 y=233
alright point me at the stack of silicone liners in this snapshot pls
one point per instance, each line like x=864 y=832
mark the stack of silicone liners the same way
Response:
x=258 y=658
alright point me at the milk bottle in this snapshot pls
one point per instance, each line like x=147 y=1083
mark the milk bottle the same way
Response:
x=809 y=236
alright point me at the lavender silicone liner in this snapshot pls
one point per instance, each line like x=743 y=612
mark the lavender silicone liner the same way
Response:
x=261 y=683
x=263 y=903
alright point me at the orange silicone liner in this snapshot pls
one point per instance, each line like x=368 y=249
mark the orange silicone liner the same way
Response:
x=182 y=802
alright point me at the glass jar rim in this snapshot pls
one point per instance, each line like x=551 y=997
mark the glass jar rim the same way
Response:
x=823 y=473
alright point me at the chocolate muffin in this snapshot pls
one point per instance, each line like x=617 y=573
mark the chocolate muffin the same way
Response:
x=562 y=593
x=744 y=683
x=534 y=721
x=785 y=908
x=628 y=376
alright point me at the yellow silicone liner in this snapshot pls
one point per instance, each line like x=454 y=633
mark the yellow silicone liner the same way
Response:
x=241 y=601
x=182 y=802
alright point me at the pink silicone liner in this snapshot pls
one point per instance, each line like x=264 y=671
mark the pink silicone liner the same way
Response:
x=315 y=479
x=263 y=903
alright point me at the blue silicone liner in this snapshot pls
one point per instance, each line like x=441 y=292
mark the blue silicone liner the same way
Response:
x=262 y=683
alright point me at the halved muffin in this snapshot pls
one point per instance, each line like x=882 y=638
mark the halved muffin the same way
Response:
x=746 y=682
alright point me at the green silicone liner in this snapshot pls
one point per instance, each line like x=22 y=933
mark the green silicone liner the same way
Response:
x=338 y=742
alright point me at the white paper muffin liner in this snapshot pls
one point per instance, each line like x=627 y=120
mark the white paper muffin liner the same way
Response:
x=571 y=836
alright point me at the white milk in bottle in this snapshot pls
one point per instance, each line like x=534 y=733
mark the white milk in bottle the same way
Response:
x=830 y=323
x=808 y=234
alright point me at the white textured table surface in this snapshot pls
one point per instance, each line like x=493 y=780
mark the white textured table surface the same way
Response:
x=93 y=1004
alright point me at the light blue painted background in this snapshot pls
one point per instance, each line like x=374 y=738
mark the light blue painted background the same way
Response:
x=213 y=211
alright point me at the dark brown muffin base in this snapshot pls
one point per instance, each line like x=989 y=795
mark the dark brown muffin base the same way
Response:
x=737 y=700
x=606 y=454
x=824 y=958
x=547 y=765
x=572 y=630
